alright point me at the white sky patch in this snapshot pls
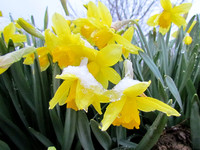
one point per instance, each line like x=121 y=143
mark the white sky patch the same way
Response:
x=26 y=8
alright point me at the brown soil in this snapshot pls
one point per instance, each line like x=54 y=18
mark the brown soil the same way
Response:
x=175 y=138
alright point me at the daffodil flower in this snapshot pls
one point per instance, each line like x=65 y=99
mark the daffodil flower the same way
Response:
x=9 y=32
x=97 y=29
x=64 y=47
x=79 y=89
x=8 y=59
x=127 y=99
x=169 y=14
x=100 y=67
x=187 y=39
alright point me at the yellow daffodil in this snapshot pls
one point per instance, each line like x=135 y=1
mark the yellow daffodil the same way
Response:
x=8 y=59
x=169 y=14
x=127 y=99
x=79 y=89
x=42 y=53
x=9 y=32
x=64 y=47
x=187 y=39
x=100 y=66
x=97 y=29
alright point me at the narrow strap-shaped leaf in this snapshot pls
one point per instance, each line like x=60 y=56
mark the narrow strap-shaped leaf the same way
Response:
x=4 y=146
x=69 y=129
x=14 y=133
x=188 y=72
x=195 y=124
x=153 y=133
x=37 y=91
x=22 y=85
x=14 y=98
x=120 y=133
x=162 y=92
x=83 y=131
x=102 y=136
x=3 y=49
x=46 y=18
x=127 y=144
x=44 y=140
x=57 y=125
x=152 y=66
x=173 y=89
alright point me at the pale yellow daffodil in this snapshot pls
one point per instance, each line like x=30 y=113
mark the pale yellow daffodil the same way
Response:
x=127 y=99
x=79 y=89
x=9 y=32
x=169 y=15
x=8 y=59
x=64 y=47
x=97 y=29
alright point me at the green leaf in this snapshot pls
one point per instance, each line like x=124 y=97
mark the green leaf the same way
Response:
x=152 y=66
x=44 y=140
x=46 y=18
x=102 y=136
x=188 y=72
x=195 y=124
x=16 y=135
x=120 y=133
x=173 y=89
x=3 y=49
x=57 y=125
x=69 y=129
x=12 y=93
x=83 y=131
x=127 y=144
x=4 y=146
x=153 y=133
x=22 y=85
x=162 y=92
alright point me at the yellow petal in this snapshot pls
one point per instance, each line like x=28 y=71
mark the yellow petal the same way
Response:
x=128 y=34
x=17 y=38
x=97 y=106
x=93 y=11
x=102 y=37
x=51 y=40
x=129 y=116
x=8 y=31
x=182 y=8
x=153 y=20
x=175 y=34
x=126 y=44
x=44 y=62
x=29 y=59
x=191 y=27
x=60 y=25
x=104 y=14
x=109 y=55
x=2 y=70
x=93 y=68
x=150 y=104
x=111 y=75
x=102 y=79
x=84 y=97
x=61 y=94
x=163 y=31
x=136 y=89
x=178 y=20
x=111 y=113
x=166 y=4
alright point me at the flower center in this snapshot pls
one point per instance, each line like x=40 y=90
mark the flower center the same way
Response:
x=165 y=19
